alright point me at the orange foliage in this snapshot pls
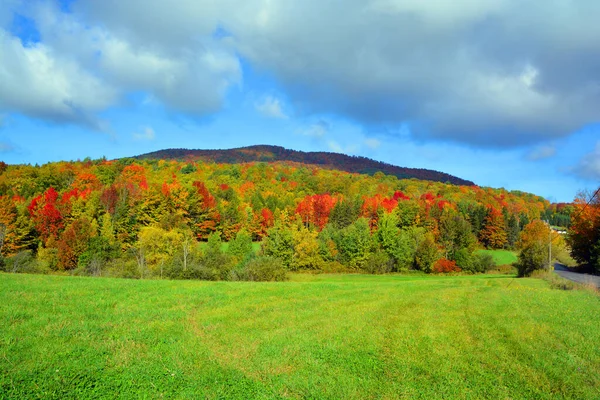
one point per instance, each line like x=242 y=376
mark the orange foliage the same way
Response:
x=444 y=266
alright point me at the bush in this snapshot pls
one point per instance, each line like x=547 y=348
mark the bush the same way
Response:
x=444 y=266
x=531 y=258
x=379 y=263
x=24 y=262
x=260 y=269
x=123 y=268
x=483 y=262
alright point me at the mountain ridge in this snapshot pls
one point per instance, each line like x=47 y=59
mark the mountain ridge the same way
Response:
x=270 y=153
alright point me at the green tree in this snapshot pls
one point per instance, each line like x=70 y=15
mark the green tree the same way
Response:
x=355 y=243
x=427 y=253
x=279 y=243
x=455 y=234
x=306 y=250
x=241 y=247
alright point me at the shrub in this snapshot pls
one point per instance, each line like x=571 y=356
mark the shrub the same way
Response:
x=483 y=262
x=379 y=263
x=261 y=269
x=24 y=262
x=443 y=266
x=531 y=258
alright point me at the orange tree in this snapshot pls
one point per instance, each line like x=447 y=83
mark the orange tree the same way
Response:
x=584 y=234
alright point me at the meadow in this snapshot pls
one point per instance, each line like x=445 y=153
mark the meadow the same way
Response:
x=501 y=257
x=315 y=336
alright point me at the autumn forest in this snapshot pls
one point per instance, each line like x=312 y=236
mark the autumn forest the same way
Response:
x=190 y=219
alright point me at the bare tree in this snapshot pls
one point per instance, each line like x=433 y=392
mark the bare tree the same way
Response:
x=140 y=257
x=2 y=236
x=186 y=247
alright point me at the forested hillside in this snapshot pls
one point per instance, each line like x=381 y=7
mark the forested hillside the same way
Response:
x=142 y=218
x=342 y=162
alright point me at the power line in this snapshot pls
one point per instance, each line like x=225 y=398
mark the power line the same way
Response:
x=587 y=203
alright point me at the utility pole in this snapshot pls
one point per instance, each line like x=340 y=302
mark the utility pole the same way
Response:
x=549 y=246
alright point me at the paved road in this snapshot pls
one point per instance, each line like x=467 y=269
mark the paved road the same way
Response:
x=575 y=276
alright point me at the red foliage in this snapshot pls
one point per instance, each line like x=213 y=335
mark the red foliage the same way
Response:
x=443 y=203
x=47 y=218
x=316 y=209
x=398 y=195
x=429 y=197
x=389 y=204
x=109 y=198
x=208 y=201
x=443 y=266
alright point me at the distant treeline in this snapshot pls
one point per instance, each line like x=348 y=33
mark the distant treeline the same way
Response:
x=342 y=162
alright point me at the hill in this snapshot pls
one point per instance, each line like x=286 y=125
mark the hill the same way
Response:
x=343 y=162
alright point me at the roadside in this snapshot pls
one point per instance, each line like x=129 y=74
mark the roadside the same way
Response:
x=564 y=272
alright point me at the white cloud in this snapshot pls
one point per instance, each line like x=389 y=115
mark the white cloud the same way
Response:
x=270 y=107
x=81 y=67
x=542 y=152
x=39 y=83
x=484 y=73
x=316 y=130
x=589 y=165
x=147 y=133
x=372 y=143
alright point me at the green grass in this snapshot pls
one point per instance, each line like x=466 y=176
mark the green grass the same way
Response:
x=501 y=257
x=316 y=336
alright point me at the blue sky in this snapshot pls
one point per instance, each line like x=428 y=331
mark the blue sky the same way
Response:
x=494 y=93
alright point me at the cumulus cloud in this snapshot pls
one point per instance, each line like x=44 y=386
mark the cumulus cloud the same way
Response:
x=485 y=73
x=542 y=152
x=270 y=107
x=488 y=74
x=37 y=82
x=147 y=133
x=81 y=67
x=589 y=165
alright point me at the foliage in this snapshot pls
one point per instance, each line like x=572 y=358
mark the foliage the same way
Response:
x=444 y=265
x=261 y=269
x=493 y=234
x=584 y=235
x=145 y=218
x=535 y=240
x=378 y=262
x=426 y=254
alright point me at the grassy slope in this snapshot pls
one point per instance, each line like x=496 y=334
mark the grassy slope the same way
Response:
x=501 y=257
x=336 y=336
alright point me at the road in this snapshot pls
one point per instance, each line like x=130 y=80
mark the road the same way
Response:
x=575 y=276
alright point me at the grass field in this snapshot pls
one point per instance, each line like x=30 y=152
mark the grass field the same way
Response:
x=501 y=257
x=323 y=336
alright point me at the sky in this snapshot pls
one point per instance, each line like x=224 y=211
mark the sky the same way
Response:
x=499 y=93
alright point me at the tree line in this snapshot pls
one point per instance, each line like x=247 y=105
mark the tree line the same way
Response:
x=251 y=221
